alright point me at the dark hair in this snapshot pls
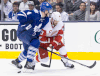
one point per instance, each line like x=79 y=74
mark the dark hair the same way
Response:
x=93 y=3
x=60 y=4
x=16 y=3
x=82 y=2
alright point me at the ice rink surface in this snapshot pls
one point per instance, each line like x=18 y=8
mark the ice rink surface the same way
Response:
x=57 y=69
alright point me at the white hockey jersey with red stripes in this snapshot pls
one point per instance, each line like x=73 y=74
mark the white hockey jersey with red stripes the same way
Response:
x=51 y=32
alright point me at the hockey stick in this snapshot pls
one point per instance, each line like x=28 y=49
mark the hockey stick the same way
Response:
x=45 y=65
x=70 y=59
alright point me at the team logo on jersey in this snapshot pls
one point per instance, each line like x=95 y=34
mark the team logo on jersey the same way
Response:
x=43 y=54
x=47 y=4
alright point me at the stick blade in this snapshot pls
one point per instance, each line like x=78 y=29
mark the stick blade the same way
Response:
x=45 y=65
x=92 y=65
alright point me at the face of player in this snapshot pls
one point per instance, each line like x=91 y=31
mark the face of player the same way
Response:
x=54 y=22
x=58 y=9
x=45 y=14
x=15 y=8
x=31 y=7
x=82 y=6
x=92 y=7
x=5 y=1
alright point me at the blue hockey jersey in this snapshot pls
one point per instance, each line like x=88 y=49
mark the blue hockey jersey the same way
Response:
x=32 y=22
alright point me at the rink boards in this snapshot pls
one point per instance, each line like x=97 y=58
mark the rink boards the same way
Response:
x=82 y=41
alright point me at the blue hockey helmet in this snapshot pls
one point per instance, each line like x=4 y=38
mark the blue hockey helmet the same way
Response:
x=45 y=6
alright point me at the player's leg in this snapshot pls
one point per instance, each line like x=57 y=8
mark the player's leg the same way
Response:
x=62 y=50
x=25 y=38
x=22 y=56
x=42 y=54
x=17 y=61
x=33 y=48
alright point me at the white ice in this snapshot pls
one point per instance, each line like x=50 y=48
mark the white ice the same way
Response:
x=57 y=69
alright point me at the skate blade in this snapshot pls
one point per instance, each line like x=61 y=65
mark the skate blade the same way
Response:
x=28 y=70
x=13 y=65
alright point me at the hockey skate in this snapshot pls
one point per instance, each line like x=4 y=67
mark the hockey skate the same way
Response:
x=66 y=64
x=30 y=65
x=16 y=63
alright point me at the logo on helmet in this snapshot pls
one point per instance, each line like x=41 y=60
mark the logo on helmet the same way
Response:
x=47 y=4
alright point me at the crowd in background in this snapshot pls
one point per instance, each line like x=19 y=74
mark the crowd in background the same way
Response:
x=71 y=10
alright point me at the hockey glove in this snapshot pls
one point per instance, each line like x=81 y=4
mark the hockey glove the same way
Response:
x=54 y=44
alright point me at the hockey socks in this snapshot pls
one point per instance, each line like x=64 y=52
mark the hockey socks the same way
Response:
x=31 y=53
x=22 y=56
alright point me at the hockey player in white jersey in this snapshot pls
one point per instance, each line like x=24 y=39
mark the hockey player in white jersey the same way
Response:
x=52 y=35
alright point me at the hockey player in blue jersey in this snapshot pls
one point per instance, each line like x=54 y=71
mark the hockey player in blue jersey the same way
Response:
x=29 y=29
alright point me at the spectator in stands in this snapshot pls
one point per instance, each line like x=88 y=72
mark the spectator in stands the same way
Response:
x=94 y=13
x=13 y=14
x=3 y=16
x=64 y=15
x=72 y=5
x=53 y=4
x=12 y=1
x=68 y=6
x=36 y=2
x=7 y=7
x=90 y=1
x=61 y=1
x=32 y=6
x=79 y=15
x=38 y=6
x=0 y=4
x=24 y=5
x=51 y=1
x=40 y=1
x=98 y=5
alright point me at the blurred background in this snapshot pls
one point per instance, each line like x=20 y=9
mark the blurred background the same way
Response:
x=71 y=10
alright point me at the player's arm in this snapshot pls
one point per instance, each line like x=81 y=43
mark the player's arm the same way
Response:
x=57 y=38
x=41 y=24
x=26 y=19
x=22 y=17
x=43 y=38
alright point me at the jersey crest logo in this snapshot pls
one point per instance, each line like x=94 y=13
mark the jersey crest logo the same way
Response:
x=47 y=4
